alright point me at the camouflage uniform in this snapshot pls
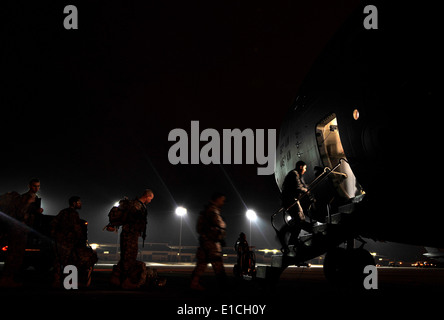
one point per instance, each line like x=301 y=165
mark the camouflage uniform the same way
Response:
x=21 y=210
x=211 y=228
x=242 y=249
x=293 y=187
x=130 y=273
x=70 y=244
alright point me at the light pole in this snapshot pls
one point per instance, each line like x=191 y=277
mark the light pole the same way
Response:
x=251 y=215
x=116 y=204
x=180 y=211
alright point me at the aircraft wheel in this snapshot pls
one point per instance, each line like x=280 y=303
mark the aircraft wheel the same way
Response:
x=335 y=265
x=360 y=258
x=345 y=268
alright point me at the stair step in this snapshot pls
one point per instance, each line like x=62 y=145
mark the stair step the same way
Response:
x=347 y=208
x=306 y=239
x=335 y=218
x=318 y=228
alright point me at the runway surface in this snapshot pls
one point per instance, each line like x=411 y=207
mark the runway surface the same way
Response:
x=299 y=290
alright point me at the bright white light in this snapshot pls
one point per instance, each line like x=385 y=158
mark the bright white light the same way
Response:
x=251 y=215
x=288 y=218
x=117 y=204
x=181 y=211
x=94 y=246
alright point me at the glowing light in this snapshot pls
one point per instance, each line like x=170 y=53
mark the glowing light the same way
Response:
x=181 y=211
x=274 y=251
x=251 y=215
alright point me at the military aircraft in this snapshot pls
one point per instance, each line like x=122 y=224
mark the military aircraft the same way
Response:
x=366 y=123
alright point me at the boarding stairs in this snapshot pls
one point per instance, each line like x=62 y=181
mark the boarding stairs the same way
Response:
x=320 y=237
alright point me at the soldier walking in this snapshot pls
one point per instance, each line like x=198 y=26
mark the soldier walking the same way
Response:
x=129 y=272
x=69 y=234
x=293 y=188
x=211 y=229
x=24 y=210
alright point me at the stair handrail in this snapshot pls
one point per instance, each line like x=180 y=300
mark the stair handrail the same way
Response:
x=327 y=171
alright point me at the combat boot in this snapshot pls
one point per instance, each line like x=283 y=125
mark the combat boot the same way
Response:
x=195 y=285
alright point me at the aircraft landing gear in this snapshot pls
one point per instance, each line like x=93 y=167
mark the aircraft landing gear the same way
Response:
x=344 y=267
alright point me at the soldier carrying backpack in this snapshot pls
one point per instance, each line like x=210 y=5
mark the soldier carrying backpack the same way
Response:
x=211 y=229
x=117 y=215
x=132 y=216
x=71 y=243
x=19 y=214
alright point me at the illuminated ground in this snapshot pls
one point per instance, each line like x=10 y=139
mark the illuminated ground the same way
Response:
x=307 y=287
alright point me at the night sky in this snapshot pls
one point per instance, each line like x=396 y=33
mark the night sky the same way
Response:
x=88 y=111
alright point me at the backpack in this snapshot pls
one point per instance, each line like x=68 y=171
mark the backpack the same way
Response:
x=117 y=216
x=12 y=204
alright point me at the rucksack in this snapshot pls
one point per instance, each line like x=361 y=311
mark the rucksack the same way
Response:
x=117 y=216
x=11 y=203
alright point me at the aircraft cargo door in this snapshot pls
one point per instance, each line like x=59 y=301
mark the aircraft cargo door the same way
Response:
x=331 y=151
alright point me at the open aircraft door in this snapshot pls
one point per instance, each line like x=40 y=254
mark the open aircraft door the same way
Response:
x=331 y=152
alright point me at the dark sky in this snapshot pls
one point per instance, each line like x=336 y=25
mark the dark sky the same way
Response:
x=88 y=111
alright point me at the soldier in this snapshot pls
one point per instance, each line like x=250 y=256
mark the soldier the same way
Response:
x=293 y=188
x=211 y=229
x=35 y=208
x=71 y=243
x=24 y=210
x=130 y=273
x=242 y=248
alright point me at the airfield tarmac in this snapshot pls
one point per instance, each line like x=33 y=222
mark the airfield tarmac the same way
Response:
x=299 y=290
